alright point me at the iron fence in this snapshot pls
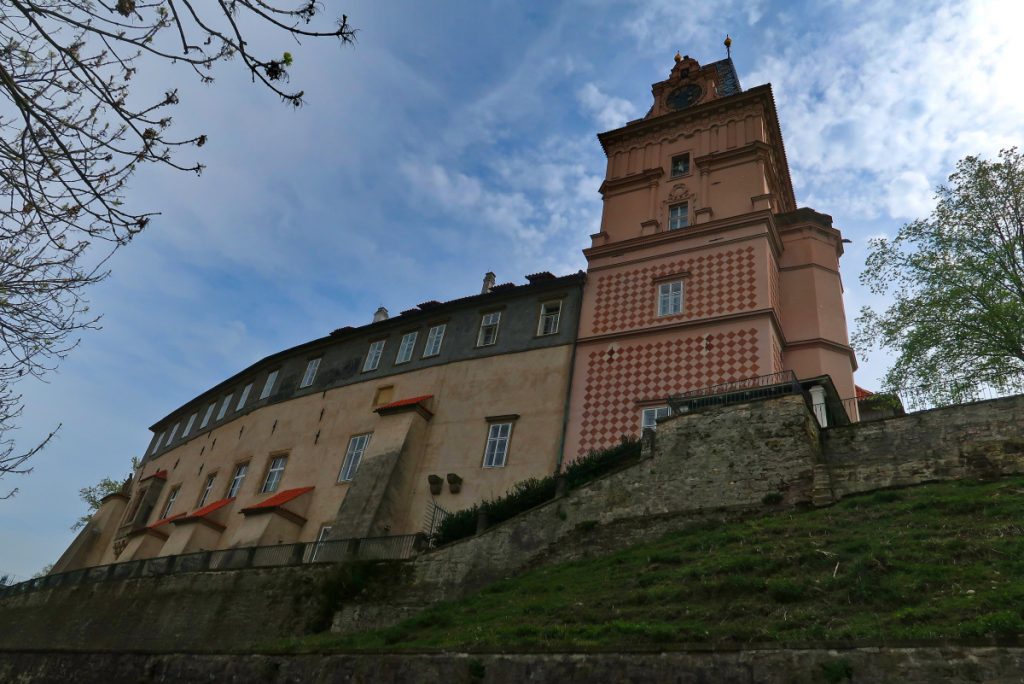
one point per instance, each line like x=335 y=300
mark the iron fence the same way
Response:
x=396 y=547
x=736 y=392
x=904 y=400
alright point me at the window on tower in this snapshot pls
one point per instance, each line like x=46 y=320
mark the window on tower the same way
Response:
x=680 y=165
x=670 y=298
x=650 y=416
x=678 y=216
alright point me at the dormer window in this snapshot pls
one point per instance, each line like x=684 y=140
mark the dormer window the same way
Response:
x=678 y=216
x=680 y=165
x=310 y=375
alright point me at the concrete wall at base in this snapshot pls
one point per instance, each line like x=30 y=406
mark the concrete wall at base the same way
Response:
x=913 y=665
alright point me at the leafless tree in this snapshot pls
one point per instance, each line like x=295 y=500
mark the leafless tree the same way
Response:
x=72 y=134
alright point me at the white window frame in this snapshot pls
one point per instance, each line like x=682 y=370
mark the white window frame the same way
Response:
x=243 y=397
x=373 y=355
x=310 y=375
x=207 y=415
x=685 y=157
x=224 y=407
x=268 y=386
x=435 y=337
x=546 y=316
x=679 y=216
x=170 y=501
x=321 y=538
x=357 y=445
x=237 y=478
x=670 y=298
x=190 y=423
x=406 y=347
x=649 y=416
x=172 y=434
x=210 y=479
x=275 y=473
x=489 y=321
x=156 y=444
x=499 y=436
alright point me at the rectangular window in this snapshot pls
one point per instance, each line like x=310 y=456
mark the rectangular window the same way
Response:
x=406 y=347
x=496 y=451
x=274 y=473
x=207 y=415
x=156 y=444
x=321 y=538
x=670 y=298
x=434 y=339
x=245 y=395
x=236 y=480
x=356 y=446
x=649 y=420
x=268 y=386
x=549 y=315
x=310 y=374
x=206 y=490
x=170 y=502
x=224 y=407
x=373 y=356
x=189 y=424
x=680 y=165
x=488 y=329
x=678 y=216
x=172 y=434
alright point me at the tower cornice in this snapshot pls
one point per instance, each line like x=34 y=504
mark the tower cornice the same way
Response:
x=759 y=97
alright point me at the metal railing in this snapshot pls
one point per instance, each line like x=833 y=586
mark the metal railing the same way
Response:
x=904 y=400
x=398 y=547
x=737 y=392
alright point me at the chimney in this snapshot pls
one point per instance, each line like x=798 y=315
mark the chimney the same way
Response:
x=488 y=282
x=380 y=314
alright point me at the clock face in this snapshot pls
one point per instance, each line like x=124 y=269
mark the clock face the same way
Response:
x=683 y=97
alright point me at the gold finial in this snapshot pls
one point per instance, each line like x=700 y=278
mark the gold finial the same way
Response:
x=728 y=45
x=678 y=58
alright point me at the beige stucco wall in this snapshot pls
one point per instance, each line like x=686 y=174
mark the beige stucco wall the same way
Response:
x=314 y=431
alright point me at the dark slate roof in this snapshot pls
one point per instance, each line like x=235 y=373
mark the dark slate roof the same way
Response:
x=729 y=79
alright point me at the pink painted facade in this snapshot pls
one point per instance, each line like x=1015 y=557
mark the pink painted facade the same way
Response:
x=697 y=197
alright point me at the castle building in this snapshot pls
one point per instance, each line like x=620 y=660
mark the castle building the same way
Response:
x=704 y=272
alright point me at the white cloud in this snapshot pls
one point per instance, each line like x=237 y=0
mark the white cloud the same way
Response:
x=894 y=96
x=609 y=112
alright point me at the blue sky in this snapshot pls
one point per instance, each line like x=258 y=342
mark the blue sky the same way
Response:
x=458 y=138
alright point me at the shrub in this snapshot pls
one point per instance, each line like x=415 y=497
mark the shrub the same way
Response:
x=597 y=463
x=535 y=491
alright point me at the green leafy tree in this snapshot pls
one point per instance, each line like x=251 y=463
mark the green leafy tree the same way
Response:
x=93 y=495
x=86 y=92
x=956 y=278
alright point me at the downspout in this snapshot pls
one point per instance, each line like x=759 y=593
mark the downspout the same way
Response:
x=568 y=389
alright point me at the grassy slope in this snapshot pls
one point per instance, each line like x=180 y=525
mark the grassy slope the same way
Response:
x=936 y=561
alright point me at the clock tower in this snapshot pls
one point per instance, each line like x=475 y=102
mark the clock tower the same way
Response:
x=704 y=270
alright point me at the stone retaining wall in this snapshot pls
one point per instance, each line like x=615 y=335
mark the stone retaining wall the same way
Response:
x=206 y=611
x=919 y=665
x=980 y=440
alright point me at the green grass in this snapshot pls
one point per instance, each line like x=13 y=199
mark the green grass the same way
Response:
x=941 y=561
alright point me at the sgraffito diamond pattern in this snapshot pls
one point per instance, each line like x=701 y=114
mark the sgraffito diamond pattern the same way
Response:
x=716 y=284
x=619 y=377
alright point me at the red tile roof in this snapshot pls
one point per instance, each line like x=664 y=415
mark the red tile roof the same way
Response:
x=404 y=402
x=160 y=475
x=279 y=499
x=158 y=523
x=210 y=508
x=862 y=393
